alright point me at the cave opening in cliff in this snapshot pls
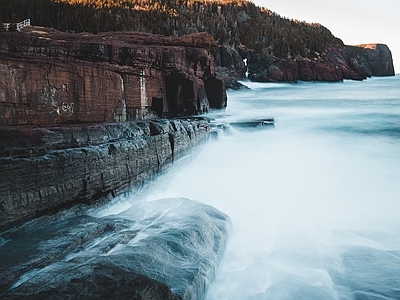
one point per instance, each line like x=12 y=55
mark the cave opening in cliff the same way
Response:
x=157 y=106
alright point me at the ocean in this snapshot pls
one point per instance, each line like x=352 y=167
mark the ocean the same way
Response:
x=314 y=200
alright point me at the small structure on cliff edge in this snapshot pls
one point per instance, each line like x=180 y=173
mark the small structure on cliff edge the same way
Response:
x=51 y=77
x=18 y=26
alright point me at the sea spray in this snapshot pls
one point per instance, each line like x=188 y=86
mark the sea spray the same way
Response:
x=314 y=201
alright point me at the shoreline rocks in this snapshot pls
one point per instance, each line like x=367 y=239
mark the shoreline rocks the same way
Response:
x=45 y=169
x=155 y=250
x=336 y=64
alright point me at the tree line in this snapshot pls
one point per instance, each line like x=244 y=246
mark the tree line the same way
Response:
x=230 y=22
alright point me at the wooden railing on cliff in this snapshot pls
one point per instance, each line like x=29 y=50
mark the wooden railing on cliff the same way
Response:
x=19 y=25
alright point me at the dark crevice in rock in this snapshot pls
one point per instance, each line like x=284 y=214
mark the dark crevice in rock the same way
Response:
x=172 y=143
x=154 y=129
x=112 y=149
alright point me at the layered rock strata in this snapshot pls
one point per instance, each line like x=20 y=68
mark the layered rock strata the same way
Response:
x=47 y=168
x=51 y=77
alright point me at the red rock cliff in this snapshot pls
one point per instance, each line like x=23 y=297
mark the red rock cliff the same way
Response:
x=338 y=62
x=51 y=77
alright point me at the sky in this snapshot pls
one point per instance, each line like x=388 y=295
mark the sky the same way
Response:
x=353 y=21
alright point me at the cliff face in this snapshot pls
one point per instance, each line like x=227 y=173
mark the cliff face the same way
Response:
x=50 y=77
x=48 y=168
x=337 y=63
x=378 y=58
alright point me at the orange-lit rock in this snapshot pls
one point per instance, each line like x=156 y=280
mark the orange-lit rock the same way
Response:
x=51 y=77
x=379 y=59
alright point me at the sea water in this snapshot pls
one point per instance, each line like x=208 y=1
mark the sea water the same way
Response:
x=314 y=201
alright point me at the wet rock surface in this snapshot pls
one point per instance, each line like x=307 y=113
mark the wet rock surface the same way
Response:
x=47 y=168
x=258 y=123
x=163 y=249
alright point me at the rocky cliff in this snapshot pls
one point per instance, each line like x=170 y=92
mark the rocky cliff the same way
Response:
x=71 y=132
x=376 y=59
x=51 y=77
x=48 y=168
x=277 y=48
x=338 y=62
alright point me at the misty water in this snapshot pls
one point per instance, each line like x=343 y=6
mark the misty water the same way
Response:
x=314 y=201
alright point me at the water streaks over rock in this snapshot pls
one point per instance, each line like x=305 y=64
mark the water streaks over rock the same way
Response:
x=163 y=249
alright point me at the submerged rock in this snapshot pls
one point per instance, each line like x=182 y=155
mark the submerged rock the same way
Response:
x=164 y=249
x=254 y=123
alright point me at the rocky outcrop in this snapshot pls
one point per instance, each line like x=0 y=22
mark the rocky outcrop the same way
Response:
x=337 y=63
x=230 y=66
x=156 y=250
x=51 y=77
x=378 y=59
x=47 y=168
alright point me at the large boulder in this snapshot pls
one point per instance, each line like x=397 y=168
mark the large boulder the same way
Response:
x=163 y=249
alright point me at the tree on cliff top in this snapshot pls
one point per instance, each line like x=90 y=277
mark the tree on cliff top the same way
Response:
x=230 y=22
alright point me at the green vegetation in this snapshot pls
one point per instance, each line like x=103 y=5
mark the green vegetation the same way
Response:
x=230 y=22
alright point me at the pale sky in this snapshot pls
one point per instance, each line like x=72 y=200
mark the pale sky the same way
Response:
x=353 y=21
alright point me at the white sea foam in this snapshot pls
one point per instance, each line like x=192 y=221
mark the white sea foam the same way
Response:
x=314 y=202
